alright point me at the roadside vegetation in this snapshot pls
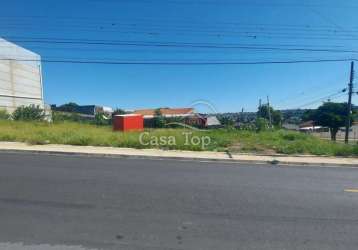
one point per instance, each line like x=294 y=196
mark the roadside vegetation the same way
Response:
x=26 y=125
x=72 y=133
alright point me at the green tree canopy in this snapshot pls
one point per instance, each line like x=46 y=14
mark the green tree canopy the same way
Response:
x=331 y=115
x=227 y=121
x=68 y=107
x=119 y=111
x=158 y=121
x=276 y=115
x=308 y=115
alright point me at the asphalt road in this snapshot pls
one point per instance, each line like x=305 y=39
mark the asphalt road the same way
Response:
x=69 y=202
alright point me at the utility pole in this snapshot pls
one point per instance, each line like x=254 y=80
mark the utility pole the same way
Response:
x=349 y=108
x=269 y=111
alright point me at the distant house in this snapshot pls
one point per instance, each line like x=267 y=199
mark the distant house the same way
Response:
x=166 y=112
x=309 y=126
x=184 y=115
x=93 y=109
x=353 y=131
x=290 y=126
x=203 y=121
x=87 y=111
x=212 y=121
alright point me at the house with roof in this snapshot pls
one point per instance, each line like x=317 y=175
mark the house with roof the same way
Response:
x=166 y=112
x=182 y=115
x=309 y=126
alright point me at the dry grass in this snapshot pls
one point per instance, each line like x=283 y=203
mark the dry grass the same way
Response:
x=72 y=133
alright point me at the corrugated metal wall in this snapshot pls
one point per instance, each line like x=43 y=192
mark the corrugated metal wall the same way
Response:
x=20 y=81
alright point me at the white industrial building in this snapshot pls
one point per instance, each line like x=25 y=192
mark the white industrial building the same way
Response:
x=20 y=77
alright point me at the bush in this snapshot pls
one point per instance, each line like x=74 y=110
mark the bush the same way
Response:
x=158 y=120
x=58 y=116
x=261 y=124
x=119 y=111
x=101 y=120
x=4 y=115
x=28 y=113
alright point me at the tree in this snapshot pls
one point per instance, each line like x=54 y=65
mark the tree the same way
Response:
x=276 y=118
x=276 y=115
x=68 y=107
x=119 y=111
x=308 y=115
x=331 y=115
x=158 y=120
x=227 y=121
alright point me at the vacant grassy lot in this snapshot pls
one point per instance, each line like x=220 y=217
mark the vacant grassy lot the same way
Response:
x=234 y=140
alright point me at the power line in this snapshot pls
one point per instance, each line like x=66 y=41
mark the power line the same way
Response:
x=178 y=45
x=153 y=30
x=303 y=97
x=335 y=94
x=229 y=27
x=178 y=63
x=116 y=20
x=252 y=34
x=329 y=97
x=19 y=38
x=233 y=2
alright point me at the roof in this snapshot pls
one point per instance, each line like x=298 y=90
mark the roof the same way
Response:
x=311 y=128
x=290 y=126
x=128 y=115
x=212 y=121
x=166 y=111
x=307 y=124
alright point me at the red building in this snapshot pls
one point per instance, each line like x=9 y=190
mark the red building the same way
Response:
x=130 y=122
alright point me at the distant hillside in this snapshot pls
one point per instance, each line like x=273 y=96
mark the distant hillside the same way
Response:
x=293 y=116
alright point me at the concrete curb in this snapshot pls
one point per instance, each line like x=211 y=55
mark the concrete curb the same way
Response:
x=120 y=156
x=155 y=154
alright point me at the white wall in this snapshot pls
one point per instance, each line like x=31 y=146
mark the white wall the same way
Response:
x=20 y=81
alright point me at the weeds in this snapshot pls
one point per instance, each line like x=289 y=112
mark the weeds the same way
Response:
x=72 y=133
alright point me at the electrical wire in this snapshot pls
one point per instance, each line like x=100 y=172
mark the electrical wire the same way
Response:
x=114 y=62
x=180 y=45
x=200 y=32
x=330 y=97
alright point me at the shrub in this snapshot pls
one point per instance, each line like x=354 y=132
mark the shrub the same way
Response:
x=58 y=116
x=4 y=115
x=101 y=120
x=28 y=113
x=261 y=124
x=119 y=111
x=158 y=120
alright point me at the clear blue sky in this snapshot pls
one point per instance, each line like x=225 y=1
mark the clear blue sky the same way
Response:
x=315 y=24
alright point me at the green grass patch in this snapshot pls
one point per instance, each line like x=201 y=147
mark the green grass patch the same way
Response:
x=72 y=133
